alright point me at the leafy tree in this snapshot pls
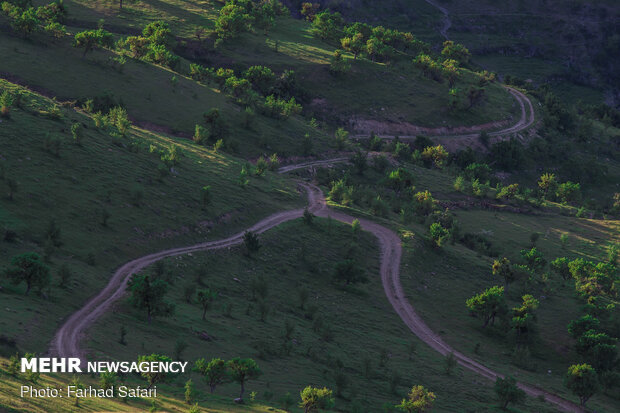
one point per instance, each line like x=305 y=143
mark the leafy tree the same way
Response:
x=14 y=365
x=581 y=380
x=546 y=183
x=480 y=171
x=190 y=392
x=23 y=20
x=568 y=192
x=508 y=392
x=313 y=399
x=354 y=44
x=262 y=78
x=327 y=25
x=93 y=39
x=435 y=154
x=118 y=118
x=78 y=385
x=523 y=317
x=580 y=326
x=29 y=268
x=418 y=400
x=232 y=20
x=455 y=51
x=424 y=203
x=154 y=377
x=205 y=298
x=149 y=295
x=309 y=10
x=488 y=304
x=107 y=380
x=599 y=349
x=251 y=242
x=214 y=371
x=401 y=179
x=560 y=266
x=6 y=101
x=502 y=268
x=451 y=71
x=242 y=370
x=337 y=65
x=340 y=137
x=56 y=30
x=534 y=259
x=429 y=67
x=360 y=161
x=438 y=234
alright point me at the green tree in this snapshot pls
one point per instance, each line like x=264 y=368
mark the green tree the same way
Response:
x=568 y=192
x=149 y=294
x=337 y=65
x=534 y=259
x=313 y=399
x=438 y=234
x=508 y=392
x=488 y=304
x=29 y=268
x=23 y=21
x=77 y=384
x=502 y=268
x=232 y=20
x=599 y=349
x=93 y=39
x=419 y=400
x=560 y=266
x=6 y=102
x=580 y=326
x=546 y=183
x=455 y=51
x=205 y=195
x=107 y=380
x=213 y=372
x=581 y=380
x=242 y=370
x=205 y=298
x=354 y=44
x=154 y=377
x=523 y=316
x=190 y=392
x=435 y=155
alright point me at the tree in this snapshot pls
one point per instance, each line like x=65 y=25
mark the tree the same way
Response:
x=77 y=384
x=560 y=266
x=340 y=137
x=508 y=392
x=118 y=118
x=599 y=349
x=149 y=295
x=205 y=298
x=455 y=51
x=349 y=272
x=578 y=327
x=232 y=20
x=214 y=371
x=251 y=242
x=424 y=203
x=308 y=10
x=418 y=400
x=523 y=317
x=190 y=393
x=23 y=21
x=546 y=183
x=337 y=65
x=488 y=304
x=6 y=101
x=354 y=44
x=581 y=380
x=107 y=380
x=475 y=95
x=242 y=370
x=534 y=259
x=438 y=234
x=502 y=268
x=568 y=192
x=29 y=268
x=154 y=377
x=326 y=25
x=435 y=154
x=93 y=39
x=313 y=399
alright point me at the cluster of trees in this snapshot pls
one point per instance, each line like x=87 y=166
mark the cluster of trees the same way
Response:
x=238 y=16
x=257 y=87
x=27 y=20
x=217 y=371
x=154 y=45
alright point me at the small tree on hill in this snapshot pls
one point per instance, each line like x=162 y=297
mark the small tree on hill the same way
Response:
x=29 y=268
x=418 y=400
x=93 y=39
x=508 y=392
x=337 y=65
x=205 y=298
x=488 y=304
x=547 y=183
x=149 y=295
x=313 y=399
x=242 y=370
x=154 y=377
x=581 y=380
x=502 y=268
x=213 y=372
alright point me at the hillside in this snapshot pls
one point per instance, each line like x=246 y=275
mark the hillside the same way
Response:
x=318 y=206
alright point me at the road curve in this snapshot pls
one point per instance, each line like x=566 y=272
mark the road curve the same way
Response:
x=66 y=342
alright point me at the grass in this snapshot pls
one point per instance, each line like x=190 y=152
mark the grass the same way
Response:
x=356 y=324
x=147 y=212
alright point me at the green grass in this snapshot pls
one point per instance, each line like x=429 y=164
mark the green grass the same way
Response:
x=107 y=173
x=363 y=324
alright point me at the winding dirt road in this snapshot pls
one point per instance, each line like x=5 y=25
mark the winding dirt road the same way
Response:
x=66 y=342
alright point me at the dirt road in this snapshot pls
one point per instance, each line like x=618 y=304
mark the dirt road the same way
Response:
x=66 y=342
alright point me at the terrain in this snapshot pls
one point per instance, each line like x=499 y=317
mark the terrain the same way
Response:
x=328 y=198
